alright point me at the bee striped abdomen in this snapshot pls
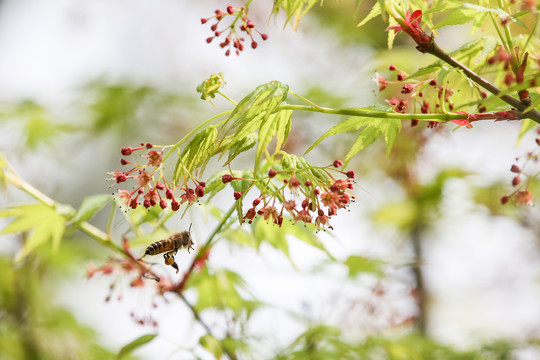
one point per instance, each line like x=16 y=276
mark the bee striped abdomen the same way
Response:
x=160 y=246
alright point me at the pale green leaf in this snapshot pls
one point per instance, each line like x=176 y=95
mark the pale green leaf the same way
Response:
x=138 y=342
x=350 y=124
x=402 y=214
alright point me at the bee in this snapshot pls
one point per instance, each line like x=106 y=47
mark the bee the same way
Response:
x=170 y=247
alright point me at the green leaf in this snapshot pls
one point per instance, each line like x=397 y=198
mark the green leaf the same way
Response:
x=375 y=11
x=140 y=341
x=46 y=224
x=470 y=12
x=489 y=45
x=295 y=10
x=269 y=129
x=273 y=235
x=373 y=130
x=196 y=154
x=212 y=344
x=3 y=181
x=362 y=264
x=220 y=290
x=89 y=207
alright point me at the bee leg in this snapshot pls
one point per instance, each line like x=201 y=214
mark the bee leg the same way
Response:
x=175 y=265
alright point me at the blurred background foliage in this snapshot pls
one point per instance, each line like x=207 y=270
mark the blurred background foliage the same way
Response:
x=406 y=207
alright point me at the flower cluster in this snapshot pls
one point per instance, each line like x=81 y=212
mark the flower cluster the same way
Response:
x=149 y=191
x=520 y=179
x=299 y=197
x=233 y=38
x=426 y=95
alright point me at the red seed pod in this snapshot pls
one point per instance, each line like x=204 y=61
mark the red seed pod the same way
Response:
x=504 y=199
x=308 y=183
x=264 y=36
x=227 y=178
x=169 y=194
x=516 y=180
x=237 y=195
x=146 y=203
x=515 y=169
x=272 y=173
x=433 y=83
x=126 y=150
x=175 y=205
x=133 y=203
x=202 y=183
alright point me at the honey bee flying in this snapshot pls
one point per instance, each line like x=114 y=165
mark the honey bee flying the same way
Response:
x=170 y=247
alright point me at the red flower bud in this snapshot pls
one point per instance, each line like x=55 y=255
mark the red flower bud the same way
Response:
x=230 y=9
x=163 y=204
x=338 y=163
x=308 y=183
x=199 y=190
x=515 y=169
x=203 y=20
x=213 y=27
x=516 y=180
x=123 y=161
x=256 y=202
x=209 y=40
x=392 y=67
x=504 y=199
x=433 y=83
x=237 y=195
x=250 y=24
x=272 y=173
x=126 y=151
x=175 y=205
x=254 y=44
x=400 y=76
x=227 y=178
x=149 y=146
x=264 y=36
x=350 y=174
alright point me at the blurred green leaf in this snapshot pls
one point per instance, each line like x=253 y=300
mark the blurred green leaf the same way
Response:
x=402 y=214
x=138 y=342
x=374 y=12
x=46 y=224
x=212 y=344
x=196 y=154
x=89 y=206
x=219 y=289
x=361 y=264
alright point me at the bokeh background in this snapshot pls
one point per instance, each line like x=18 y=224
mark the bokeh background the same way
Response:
x=81 y=79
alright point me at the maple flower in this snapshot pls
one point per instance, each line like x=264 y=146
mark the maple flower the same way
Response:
x=524 y=197
x=411 y=26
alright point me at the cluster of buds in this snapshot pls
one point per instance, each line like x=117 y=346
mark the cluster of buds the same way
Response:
x=522 y=194
x=149 y=191
x=309 y=203
x=233 y=40
x=412 y=95
x=515 y=70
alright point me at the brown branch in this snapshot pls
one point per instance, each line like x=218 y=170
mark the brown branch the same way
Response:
x=433 y=49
